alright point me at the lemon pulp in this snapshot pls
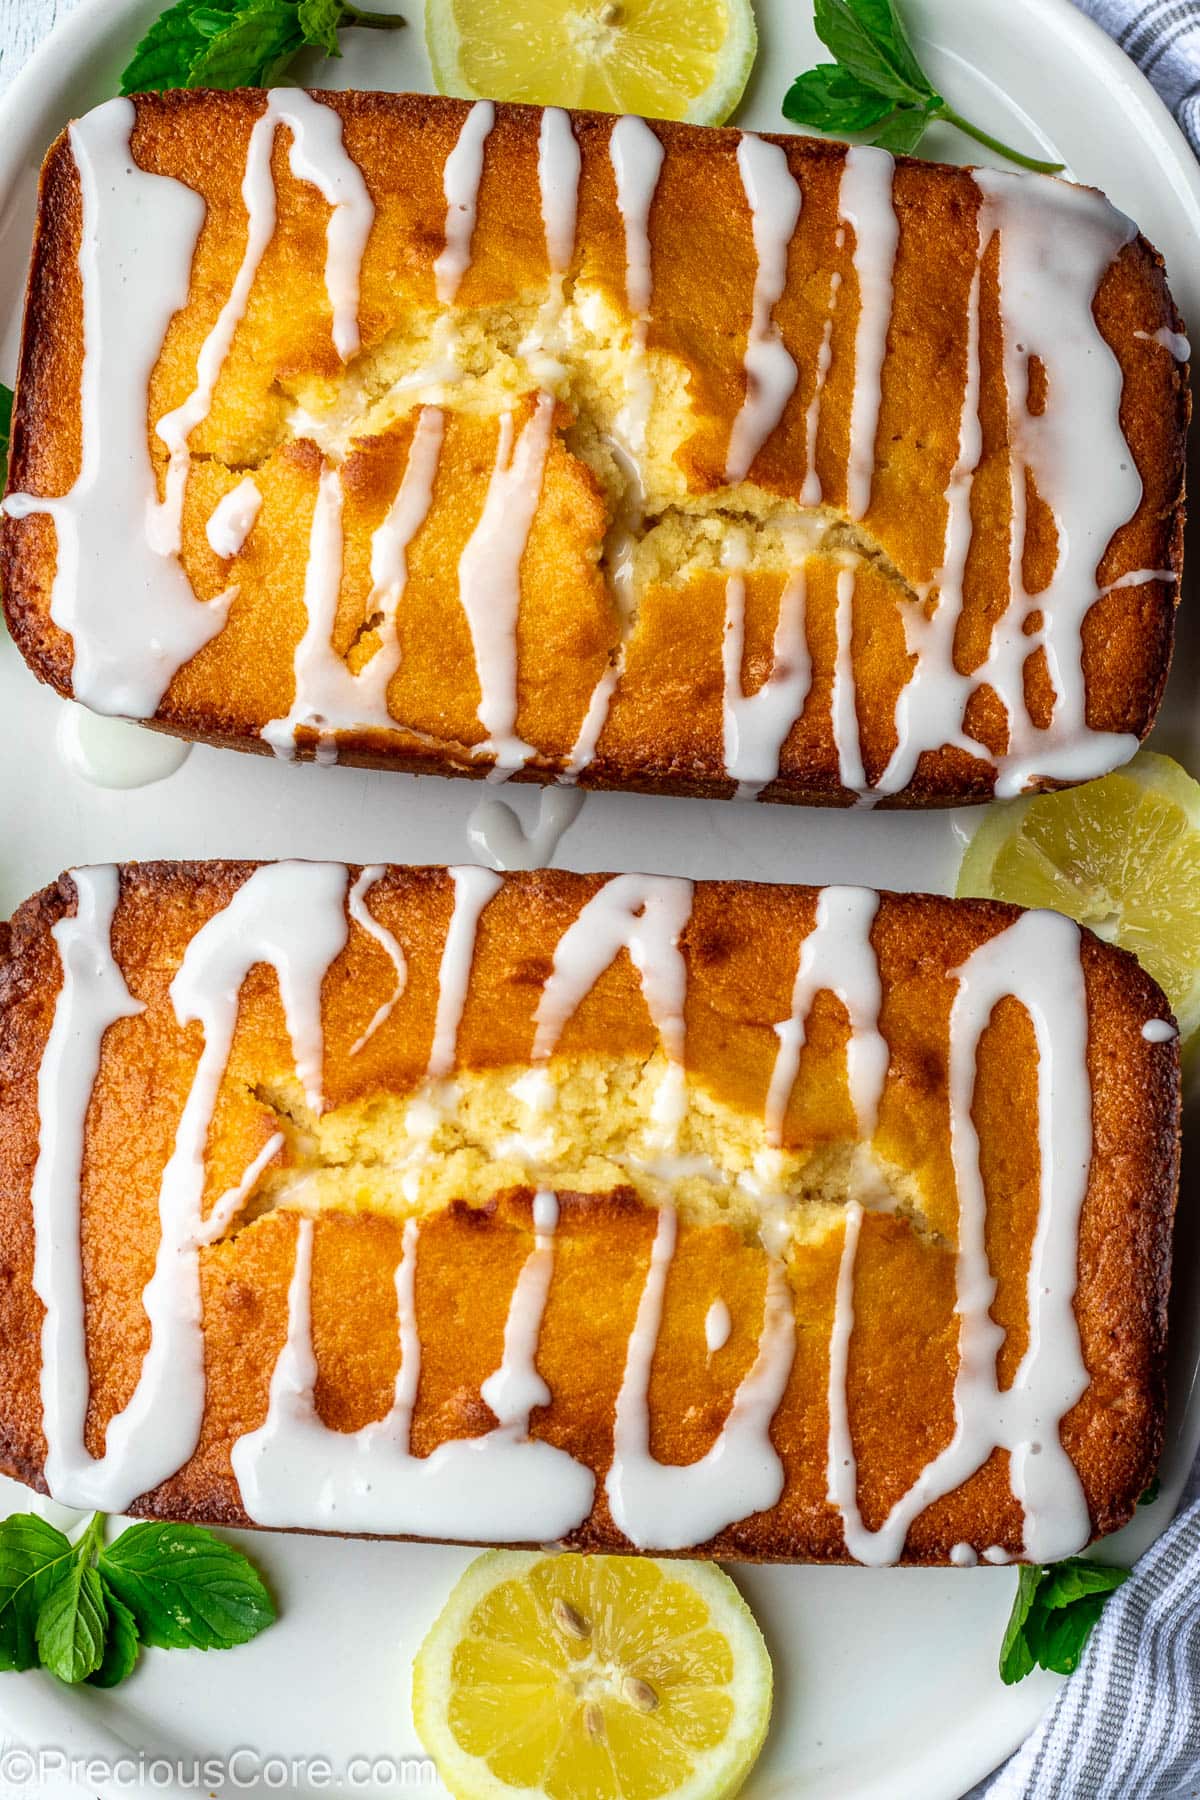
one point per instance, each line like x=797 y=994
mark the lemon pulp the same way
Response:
x=667 y=59
x=582 y=1678
x=1121 y=855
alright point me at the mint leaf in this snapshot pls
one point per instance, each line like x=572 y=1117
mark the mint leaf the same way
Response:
x=251 y=49
x=6 y=406
x=1075 y=1579
x=121 y=1648
x=32 y=1555
x=903 y=130
x=834 y=100
x=1150 y=1494
x=1064 y=1634
x=1016 y=1657
x=867 y=38
x=1053 y=1615
x=319 y=21
x=186 y=1588
x=164 y=57
x=877 y=86
x=71 y=1622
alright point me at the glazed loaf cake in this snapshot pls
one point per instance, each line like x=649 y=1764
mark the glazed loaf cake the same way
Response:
x=486 y=439
x=615 y=1210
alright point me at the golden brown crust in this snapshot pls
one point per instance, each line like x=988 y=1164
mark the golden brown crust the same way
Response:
x=740 y=948
x=664 y=732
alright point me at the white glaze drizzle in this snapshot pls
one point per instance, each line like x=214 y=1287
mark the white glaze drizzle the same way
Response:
x=460 y=183
x=811 y=492
x=963 y=1556
x=473 y=888
x=770 y=369
x=496 y=832
x=1174 y=341
x=516 y=1388
x=139 y=237
x=92 y=997
x=1136 y=578
x=843 y=707
x=1083 y=469
x=363 y=917
x=232 y=519
x=835 y=956
x=932 y=704
x=1036 y=960
x=865 y=202
x=621 y=548
x=637 y=159
x=672 y=1506
x=559 y=164
x=131 y=613
x=1159 y=1031
x=287 y=914
x=295 y=1471
x=717 y=1327
x=756 y=726
x=226 y=1208
x=328 y=697
x=643 y=914
x=489 y=579
x=1050 y=271
x=319 y=157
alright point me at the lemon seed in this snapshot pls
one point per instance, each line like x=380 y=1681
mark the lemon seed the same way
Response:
x=639 y=1693
x=593 y=1720
x=569 y=1622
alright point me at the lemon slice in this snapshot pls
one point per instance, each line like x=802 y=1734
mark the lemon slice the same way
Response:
x=1121 y=855
x=585 y=1677
x=666 y=59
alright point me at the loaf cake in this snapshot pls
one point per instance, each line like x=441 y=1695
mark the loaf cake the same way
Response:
x=619 y=1211
x=492 y=440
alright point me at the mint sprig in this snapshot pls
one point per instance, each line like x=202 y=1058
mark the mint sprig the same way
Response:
x=877 y=86
x=1053 y=1614
x=82 y=1610
x=239 y=43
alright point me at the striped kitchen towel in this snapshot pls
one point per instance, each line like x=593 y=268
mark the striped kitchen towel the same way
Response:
x=1163 y=39
x=1127 y=1724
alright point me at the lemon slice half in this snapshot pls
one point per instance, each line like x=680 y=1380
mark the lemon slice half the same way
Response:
x=665 y=59
x=1121 y=855
x=605 y=1677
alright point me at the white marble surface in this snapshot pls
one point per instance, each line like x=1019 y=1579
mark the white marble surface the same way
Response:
x=23 y=25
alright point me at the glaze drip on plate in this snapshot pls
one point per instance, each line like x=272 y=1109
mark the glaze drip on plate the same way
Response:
x=508 y=1483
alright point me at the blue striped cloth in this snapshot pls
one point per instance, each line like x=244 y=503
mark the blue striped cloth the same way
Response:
x=1127 y=1724
x=1163 y=38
